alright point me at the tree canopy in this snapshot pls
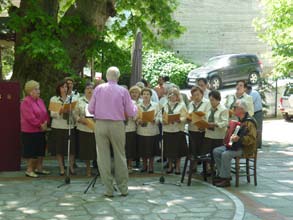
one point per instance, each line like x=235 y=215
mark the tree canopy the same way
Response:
x=57 y=37
x=275 y=28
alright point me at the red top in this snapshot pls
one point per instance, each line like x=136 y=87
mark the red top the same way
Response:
x=33 y=113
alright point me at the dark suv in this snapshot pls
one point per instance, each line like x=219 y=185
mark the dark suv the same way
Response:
x=227 y=69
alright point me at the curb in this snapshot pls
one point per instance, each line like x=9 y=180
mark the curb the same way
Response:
x=239 y=207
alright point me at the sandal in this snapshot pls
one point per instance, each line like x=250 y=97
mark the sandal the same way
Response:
x=31 y=174
x=42 y=172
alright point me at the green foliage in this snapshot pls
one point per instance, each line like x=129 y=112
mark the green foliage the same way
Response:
x=4 y=5
x=165 y=63
x=276 y=29
x=107 y=53
x=7 y=60
x=42 y=41
x=152 y=17
x=43 y=33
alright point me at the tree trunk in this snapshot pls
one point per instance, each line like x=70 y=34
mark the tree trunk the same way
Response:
x=27 y=68
x=91 y=12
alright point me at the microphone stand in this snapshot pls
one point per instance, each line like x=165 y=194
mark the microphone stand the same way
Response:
x=162 y=177
x=67 y=177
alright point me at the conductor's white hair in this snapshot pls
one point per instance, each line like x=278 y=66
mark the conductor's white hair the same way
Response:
x=113 y=73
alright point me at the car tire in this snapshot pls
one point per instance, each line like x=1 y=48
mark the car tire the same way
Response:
x=215 y=83
x=287 y=117
x=253 y=78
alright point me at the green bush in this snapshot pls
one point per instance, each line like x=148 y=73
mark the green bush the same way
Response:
x=165 y=63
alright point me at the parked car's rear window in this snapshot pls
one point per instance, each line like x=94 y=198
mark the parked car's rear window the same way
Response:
x=243 y=60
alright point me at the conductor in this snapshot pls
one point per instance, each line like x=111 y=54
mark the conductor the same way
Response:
x=109 y=105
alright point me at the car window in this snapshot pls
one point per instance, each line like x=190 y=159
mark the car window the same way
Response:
x=232 y=61
x=216 y=62
x=243 y=60
x=288 y=91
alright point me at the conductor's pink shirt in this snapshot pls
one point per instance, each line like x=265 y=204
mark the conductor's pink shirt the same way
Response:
x=111 y=102
x=33 y=113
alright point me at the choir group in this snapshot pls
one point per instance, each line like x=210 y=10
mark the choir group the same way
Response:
x=164 y=121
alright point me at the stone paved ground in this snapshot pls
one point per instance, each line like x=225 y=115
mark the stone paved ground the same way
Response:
x=272 y=199
x=32 y=199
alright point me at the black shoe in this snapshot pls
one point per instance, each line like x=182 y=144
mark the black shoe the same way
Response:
x=137 y=164
x=95 y=164
x=143 y=170
x=223 y=183
x=169 y=171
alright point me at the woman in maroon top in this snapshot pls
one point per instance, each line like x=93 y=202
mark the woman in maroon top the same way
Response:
x=34 y=120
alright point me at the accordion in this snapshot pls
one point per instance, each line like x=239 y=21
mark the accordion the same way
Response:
x=233 y=128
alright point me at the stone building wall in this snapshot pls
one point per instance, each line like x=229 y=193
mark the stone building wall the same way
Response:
x=215 y=27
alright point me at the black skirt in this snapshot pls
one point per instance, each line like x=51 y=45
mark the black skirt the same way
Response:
x=175 y=145
x=58 y=141
x=209 y=145
x=34 y=144
x=87 y=146
x=195 y=142
x=130 y=145
x=147 y=146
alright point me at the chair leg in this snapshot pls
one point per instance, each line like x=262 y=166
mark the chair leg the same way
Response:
x=212 y=170
x=254 y=172
x=204 y=170
x=191 y=164
x=247 y=170
x=184 y=169
x=237 y=171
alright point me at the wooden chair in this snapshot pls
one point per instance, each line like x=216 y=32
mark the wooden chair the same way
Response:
x=248 y=162
x=205 y=160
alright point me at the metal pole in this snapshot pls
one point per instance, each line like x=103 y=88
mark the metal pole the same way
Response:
x=276 y=99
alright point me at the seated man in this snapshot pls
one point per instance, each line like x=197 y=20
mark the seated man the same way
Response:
x=243 y=143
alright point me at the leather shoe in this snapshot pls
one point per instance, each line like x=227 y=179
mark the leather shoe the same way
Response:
x=223 y=183
x=108 y=195
x=42 y=172
x=31 y=174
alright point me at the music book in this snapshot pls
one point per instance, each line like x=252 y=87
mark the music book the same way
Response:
x=202 y=124
x=67 y=106
x=148 y=116
x=196 y=116
x=231 y=113
x=198 y=120
x=171 y=118
x=55 y=106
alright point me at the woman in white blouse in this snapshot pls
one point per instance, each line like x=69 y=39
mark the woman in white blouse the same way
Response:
x=130 y=129
x=217 y=118
x=148 y=132
x=62 y=121
x=196 y=135
x=85 y=129
x=173 y=132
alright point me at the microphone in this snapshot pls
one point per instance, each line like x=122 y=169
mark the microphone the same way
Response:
x=69 y=98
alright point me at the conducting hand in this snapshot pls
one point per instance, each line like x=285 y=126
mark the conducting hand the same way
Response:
x=44 y=126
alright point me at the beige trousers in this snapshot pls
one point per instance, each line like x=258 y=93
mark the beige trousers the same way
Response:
x=112 y=133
